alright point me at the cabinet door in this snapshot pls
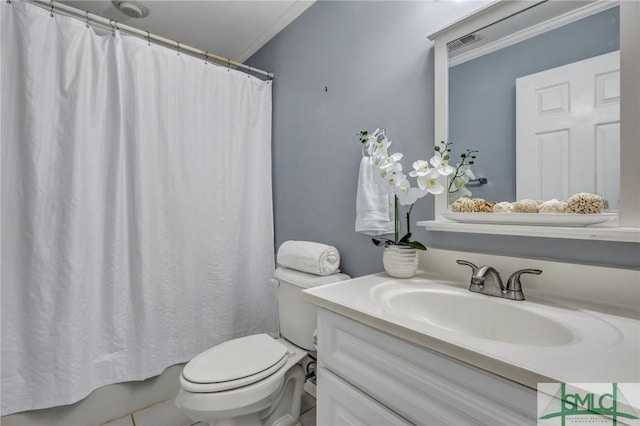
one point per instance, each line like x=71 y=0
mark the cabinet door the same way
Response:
x=421 y=385
x=341 y=404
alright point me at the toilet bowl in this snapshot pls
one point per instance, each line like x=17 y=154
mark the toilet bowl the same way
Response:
x=252 y=399
x=256 y=380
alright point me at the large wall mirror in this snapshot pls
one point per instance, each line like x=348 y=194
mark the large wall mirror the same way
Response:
x=485 y=108
x=535 y=88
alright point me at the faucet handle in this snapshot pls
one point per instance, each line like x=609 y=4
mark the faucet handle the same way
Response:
x=474 y=268
x=514 y=280
x=514 y=286
x=474 y=285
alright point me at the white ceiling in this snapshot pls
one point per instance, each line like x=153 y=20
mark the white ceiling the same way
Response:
x=234 y=29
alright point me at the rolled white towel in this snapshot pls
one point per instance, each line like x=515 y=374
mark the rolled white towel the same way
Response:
x=307 y=256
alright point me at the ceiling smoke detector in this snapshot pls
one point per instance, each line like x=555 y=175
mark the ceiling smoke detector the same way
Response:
x=133 y=9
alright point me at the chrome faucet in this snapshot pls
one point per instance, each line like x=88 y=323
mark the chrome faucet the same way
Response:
x=482 y=277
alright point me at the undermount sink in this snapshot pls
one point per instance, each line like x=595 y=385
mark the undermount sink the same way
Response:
x=475 y=315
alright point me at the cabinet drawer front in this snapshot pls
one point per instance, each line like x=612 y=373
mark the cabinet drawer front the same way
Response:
x=341 y=404
x=421 y=385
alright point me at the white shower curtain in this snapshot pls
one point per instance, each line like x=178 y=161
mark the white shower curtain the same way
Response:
x=136 y=208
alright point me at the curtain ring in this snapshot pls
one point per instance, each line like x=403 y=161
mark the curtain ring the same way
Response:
x=178 y=48
x=88 y=22
x=148 y=37
x=51 y=14
x=113 y=28
x=206 y=57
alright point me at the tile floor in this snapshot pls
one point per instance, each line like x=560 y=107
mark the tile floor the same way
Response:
x=167 y=414
x=308 y=410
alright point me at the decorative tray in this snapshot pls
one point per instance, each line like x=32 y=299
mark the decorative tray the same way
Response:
x=533 y=219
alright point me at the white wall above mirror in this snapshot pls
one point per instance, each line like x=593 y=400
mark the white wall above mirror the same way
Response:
x=475 y=107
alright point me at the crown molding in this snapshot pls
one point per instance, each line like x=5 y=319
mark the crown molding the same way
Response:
x=295 y=10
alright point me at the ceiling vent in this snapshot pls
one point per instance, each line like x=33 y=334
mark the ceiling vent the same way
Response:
x=463 y=41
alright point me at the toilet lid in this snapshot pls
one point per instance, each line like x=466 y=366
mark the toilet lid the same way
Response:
x=235 y=359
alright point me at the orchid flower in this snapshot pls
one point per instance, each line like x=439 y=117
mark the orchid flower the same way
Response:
x=379 y=158
x=381 y=143
x=391 y=160
x=459 y=185
x=406 y=194
x=389 y=174
x=421 y=168
x=392 y=168
x=441 y=164
x=429 y=182
x=395 y=178
x=469 y=173
x=464 y=192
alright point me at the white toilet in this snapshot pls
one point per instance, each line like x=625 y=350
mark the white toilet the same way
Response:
x=256 y=380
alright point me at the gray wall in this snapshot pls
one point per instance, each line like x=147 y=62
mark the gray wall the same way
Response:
x=376 y=63
x=482 y=94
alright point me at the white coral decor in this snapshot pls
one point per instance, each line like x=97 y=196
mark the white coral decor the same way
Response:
x=585 y=203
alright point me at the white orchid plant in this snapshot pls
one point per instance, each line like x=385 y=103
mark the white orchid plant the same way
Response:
x=426 y=174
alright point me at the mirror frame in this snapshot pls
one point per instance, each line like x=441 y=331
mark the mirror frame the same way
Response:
x=629 y=213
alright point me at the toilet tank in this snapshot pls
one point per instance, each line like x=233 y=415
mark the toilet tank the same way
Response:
x=297 y=317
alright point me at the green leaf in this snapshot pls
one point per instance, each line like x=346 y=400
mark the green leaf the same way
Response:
x=416 y=245
x=379 y=242
x=405 y=239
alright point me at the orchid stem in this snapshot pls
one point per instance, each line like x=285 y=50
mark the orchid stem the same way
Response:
x=409 y=219
x=396 y=218
x=453 y=179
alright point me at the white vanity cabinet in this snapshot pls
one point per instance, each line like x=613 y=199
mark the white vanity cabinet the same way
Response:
x=368 y=377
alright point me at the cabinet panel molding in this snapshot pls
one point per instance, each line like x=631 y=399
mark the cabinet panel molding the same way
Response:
x=420 y=385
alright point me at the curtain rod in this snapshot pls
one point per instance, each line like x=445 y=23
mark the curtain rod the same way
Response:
x=77 y=13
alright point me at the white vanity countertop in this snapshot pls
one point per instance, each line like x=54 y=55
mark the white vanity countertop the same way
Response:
x=604 y=348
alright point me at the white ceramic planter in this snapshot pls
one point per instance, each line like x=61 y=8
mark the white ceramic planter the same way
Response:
x=400 y=261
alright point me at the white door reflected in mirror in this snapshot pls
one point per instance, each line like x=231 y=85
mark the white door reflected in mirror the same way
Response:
x=568 y=131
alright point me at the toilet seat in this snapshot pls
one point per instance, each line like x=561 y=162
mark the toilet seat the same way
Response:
x=233 y=364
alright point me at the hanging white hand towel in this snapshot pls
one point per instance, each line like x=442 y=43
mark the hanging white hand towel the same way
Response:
x=374 y=215
x=307 y=256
